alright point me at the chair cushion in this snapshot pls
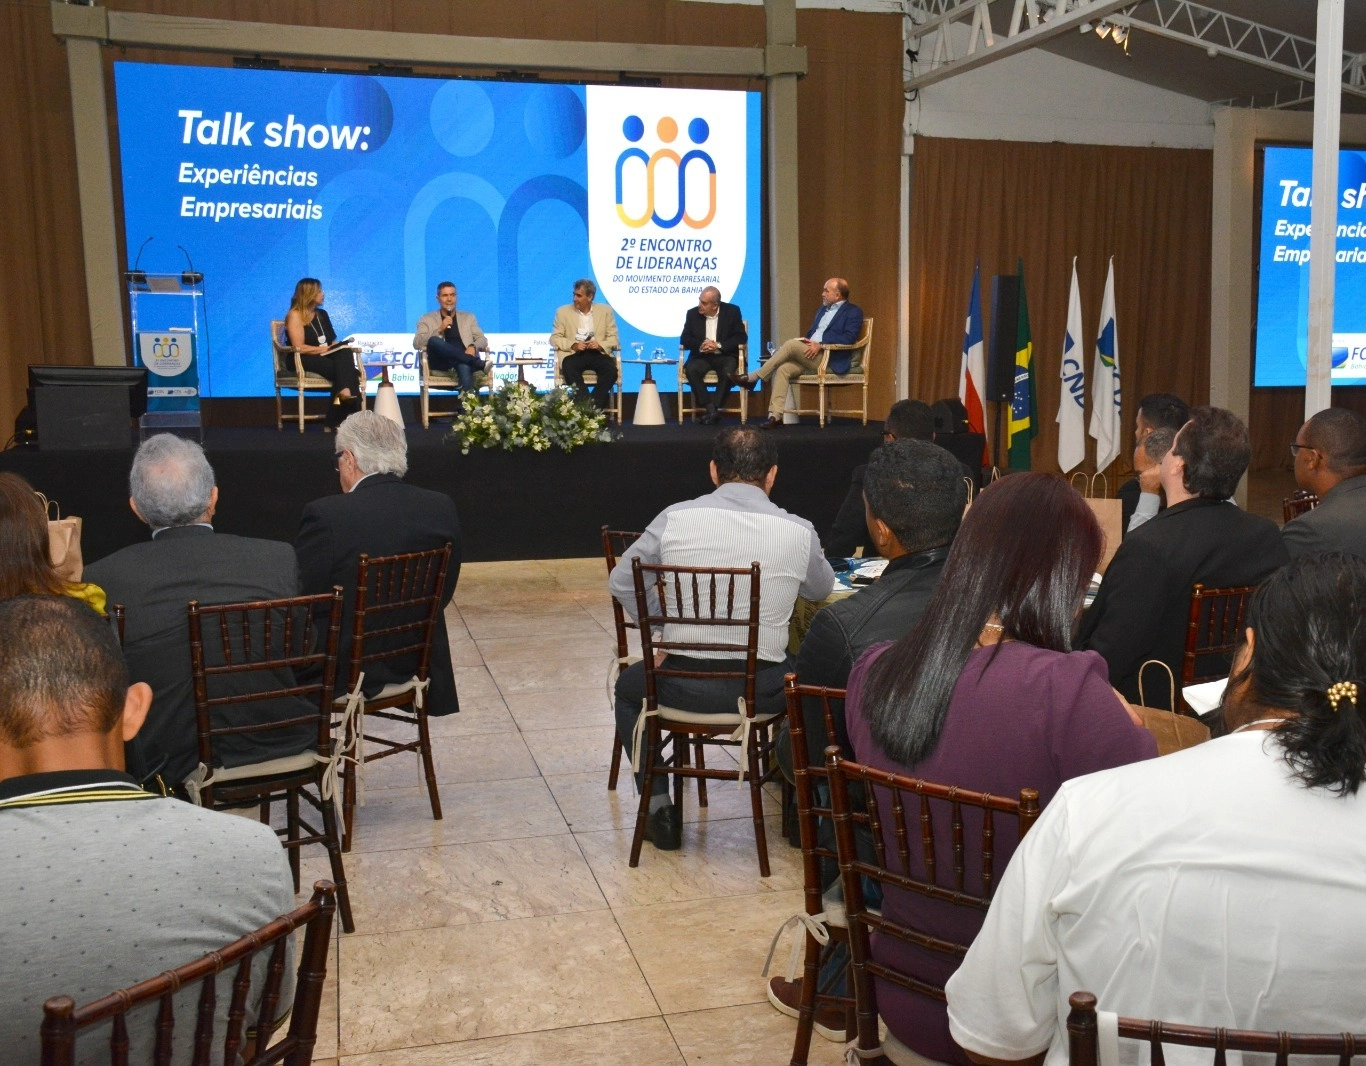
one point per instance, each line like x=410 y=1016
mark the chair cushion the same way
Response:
x=673 y=714
x=286 y=764
x=308 y=381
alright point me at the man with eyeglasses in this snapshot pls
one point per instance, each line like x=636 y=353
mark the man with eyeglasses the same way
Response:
x=1330 y=462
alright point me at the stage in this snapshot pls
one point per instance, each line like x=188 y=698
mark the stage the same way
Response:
x=512 y=505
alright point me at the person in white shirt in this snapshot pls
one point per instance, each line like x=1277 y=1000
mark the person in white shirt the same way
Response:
x=584 y=337
x=1223 y=885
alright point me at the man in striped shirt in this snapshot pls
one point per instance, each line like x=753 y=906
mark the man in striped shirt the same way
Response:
x=732 y=527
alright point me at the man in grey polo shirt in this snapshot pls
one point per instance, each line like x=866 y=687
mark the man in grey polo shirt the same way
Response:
x=731 y=527
x=104 y=884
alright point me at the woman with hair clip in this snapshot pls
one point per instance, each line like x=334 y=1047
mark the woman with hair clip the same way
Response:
x=1221 y=886
x=986 y=693
x=25 y=566
x=310 y=330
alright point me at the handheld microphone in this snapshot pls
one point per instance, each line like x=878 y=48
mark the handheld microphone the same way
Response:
x=191 y=276
x=136 y=275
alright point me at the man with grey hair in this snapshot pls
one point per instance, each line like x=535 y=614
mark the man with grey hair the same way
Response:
x=172 y=489
x=584 y=336
x=378 y=514
x=712 y=334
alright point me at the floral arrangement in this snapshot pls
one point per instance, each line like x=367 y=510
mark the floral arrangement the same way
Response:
x=517 y=416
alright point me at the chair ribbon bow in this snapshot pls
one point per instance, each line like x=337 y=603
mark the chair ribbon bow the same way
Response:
x=195 y=784
x=815 y=925
x=638 y=734
x=853 y=1054
x=742 y=734
x=347 y=745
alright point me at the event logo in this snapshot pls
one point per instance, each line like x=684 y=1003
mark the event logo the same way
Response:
x=633 y=129
x=165 y=355
x=667 y=199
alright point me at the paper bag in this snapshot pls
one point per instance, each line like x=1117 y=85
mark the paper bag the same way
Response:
x=64 y=541
x=1172 y=731
x=1109 y=513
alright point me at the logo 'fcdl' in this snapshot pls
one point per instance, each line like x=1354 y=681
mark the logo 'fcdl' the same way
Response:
x=667 y=128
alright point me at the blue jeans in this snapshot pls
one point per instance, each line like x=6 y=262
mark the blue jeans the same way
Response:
x=443 y=355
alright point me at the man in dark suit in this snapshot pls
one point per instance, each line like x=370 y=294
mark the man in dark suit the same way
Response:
x=377 y=514
x=837 y=322
x=1330 y=462
x=172 y=490
x=712 y=334
x=1202 y=537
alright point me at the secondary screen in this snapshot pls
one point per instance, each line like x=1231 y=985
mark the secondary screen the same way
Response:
x=381 y=187
x=1283 y=269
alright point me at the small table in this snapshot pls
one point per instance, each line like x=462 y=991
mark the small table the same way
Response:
x=649 y=409
x=386 y=399
x=521 y=362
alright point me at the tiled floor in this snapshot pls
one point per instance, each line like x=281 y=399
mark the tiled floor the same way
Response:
x=512 y=931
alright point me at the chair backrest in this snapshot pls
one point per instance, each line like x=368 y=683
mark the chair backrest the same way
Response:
x=262 y=656
x=614 y=544
x=1084 y=1043
x=1297 y=504
x=63 y=1020
x=1212 y=630
x=805 y=774
x=279 y=347
x=692 y=599
x=888 y=799
x=398 y=600
x=863 y=357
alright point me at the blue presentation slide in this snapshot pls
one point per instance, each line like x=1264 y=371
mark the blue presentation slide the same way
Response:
x=381 y=187
x=1283 y=269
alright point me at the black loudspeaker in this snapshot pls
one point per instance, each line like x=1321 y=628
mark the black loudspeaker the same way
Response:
x=83 y=418
x=1005 y=320
x=950 y=416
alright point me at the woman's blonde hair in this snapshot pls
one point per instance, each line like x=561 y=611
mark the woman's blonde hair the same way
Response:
x=305 y=300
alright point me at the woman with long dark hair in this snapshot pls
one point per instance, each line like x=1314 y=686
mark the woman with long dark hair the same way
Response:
x=1220 y=886
x=25 y=564
x=986 y=693
x=310 y=330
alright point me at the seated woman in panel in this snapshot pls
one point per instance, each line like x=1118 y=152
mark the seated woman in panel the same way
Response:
x=310 y=330
x=986 y=693
x=25 y=564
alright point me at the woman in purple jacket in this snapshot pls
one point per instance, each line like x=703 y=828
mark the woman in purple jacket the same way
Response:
x=986 y=693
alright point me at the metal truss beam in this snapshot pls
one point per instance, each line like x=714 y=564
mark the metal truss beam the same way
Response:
x=1045 y=19
x=1219 y=33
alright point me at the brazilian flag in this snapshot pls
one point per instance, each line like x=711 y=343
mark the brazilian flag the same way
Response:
x=1024 y=411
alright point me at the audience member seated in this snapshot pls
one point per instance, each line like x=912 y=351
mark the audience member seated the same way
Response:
x=172 y=489
x=378 y=514
x=1330 y=462
x=907 y=420
x=732 y=527
x=915 y=499
x=1160 y=410
x=105 y=884
x=1148 y=456
x=1220 y=886
x=25 y=551
x=1142 y=608
x=985 y=692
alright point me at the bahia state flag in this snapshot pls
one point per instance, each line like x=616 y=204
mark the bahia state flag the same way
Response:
x=1072 y=399
x=1024 y=411
x=972 y=374
x=1105 y=383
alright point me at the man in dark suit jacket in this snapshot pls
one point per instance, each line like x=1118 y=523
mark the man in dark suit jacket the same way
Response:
x=1202 y=537
x=712 y=334
x=837 y=322
x=377 y=514
x=1330 y=462
x=173 y=491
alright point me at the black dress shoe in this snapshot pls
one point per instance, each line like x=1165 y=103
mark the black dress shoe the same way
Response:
x=772 y=422
x=713 y=415
x=664 y=829
x=741 y=379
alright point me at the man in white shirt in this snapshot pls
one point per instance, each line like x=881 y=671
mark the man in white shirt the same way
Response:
x=584 y=337
x=731 y=527
x=712 y=334
x=837 y=322
x=1221 y=886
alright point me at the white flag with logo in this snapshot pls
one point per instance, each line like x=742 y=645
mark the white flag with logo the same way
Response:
x=1105 y=384
x=1072 y=400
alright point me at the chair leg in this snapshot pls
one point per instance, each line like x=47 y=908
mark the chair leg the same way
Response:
x=613 y=774
x=701 y=781
x=348 y=776
x=651 y=741
x=301 y=410
x=265 y=811
x=806 y=1016
x=756 y=802
x=279 y=413
x=681 y=758
x=292 y=821
x=334 y=857
x=426 y=412
x=428 y=766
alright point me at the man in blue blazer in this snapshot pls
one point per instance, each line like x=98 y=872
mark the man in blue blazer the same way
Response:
x=837 y=322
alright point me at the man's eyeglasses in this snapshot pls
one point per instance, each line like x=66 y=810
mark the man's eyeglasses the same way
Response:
x=1295 y=449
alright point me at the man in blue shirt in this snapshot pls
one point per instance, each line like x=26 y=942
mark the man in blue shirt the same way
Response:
x=837 y=322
